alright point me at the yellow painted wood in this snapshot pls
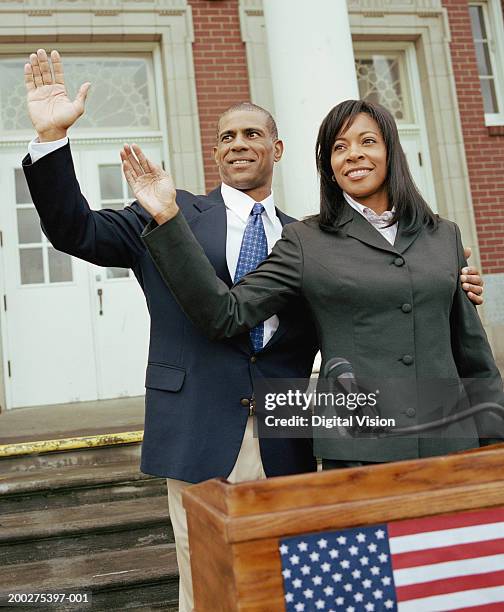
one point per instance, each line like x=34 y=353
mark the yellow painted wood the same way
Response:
x=49 y=446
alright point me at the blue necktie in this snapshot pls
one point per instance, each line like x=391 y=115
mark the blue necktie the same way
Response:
x=254 y=249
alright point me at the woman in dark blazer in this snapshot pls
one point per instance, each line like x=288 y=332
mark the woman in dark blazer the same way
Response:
x=364 y=266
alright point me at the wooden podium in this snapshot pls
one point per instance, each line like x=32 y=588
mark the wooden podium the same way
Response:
x=234 y=529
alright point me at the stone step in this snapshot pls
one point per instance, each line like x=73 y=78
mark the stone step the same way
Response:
x=41 y=488
x=119 y=453
x=140 y=578
x=73 y=531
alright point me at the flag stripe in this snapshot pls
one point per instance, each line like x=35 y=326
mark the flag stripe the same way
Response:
x=440 y=522
x=447 y=537
x=467 y=567
x=451 y=553
x=491 y=607
x=451 y=585
x=454 y=601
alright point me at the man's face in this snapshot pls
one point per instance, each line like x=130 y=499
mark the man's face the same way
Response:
x=246 y=151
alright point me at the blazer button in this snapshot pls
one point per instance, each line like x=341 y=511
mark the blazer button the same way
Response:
x=407 y=359
x=253 y=359
x=399 y=261
x=245 y=402
x=410 y=412
x=406 y=308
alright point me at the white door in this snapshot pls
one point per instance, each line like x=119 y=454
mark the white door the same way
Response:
x=48 y=349
x=71 y=331
x=387 y=74
x=121 y=318
x=412 y=147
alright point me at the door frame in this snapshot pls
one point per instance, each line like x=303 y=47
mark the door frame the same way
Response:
x=413 y=76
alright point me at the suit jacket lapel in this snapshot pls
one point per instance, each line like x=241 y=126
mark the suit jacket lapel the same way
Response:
x=210 y=228
x=403 y=240
x=362 y=230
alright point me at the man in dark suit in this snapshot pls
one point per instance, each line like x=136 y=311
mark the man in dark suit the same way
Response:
x=199 y=394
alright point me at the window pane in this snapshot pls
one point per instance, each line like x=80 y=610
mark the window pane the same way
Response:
x=28 y=226
x=32 y=266
x=123 y=91
x=117 y=273
x=483 y=58
x=477 y=22
x=22 y=192
x=110 y=182
x=489 y=98
x=381 y=81
x=60 y=266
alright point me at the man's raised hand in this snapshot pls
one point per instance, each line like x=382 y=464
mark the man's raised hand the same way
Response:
x=471 y=280
x=151 y=185
x=51 y=110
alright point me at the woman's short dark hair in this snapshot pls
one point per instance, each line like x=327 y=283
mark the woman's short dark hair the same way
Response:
x=404 y=197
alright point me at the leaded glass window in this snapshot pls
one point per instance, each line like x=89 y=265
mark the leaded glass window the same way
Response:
x=382 y=80
x=122 y=92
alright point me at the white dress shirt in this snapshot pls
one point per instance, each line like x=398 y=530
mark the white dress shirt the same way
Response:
x=37 y=149
x=377 y=221
x=238 y=208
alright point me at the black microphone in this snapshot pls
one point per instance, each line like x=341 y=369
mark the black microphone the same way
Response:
x=340 y=375
x=495 y=410
x=339 y=370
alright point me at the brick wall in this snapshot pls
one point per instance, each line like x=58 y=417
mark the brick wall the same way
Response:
x=485 y=152
x=221 y=70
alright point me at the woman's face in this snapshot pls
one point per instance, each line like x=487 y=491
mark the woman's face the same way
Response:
x=359 y=159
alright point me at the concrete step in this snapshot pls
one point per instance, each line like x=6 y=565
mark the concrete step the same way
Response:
x=75 y=485
x=73 y=531
x=119 y=453
x=140 y=578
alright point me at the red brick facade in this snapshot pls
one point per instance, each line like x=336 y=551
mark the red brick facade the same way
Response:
x=222 y=79
x=220 y=66
x=484 y=146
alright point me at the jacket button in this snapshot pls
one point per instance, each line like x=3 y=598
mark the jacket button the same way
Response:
x=406 y=308
x=253 y=359
x=407 y=359
x=399 y=261
x=245 y=402
x=410 y=412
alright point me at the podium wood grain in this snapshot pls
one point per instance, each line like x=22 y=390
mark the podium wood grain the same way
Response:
x=234 y=529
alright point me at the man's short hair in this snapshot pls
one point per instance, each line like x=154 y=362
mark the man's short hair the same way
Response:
x=250 y=106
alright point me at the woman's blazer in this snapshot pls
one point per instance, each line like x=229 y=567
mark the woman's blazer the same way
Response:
x=395 y=312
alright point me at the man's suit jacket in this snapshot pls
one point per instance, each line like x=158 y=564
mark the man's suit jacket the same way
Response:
x=397 y=318
x=194 y=419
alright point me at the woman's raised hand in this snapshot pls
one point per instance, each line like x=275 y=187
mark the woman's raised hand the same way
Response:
x=152 y=186
x=51 y=110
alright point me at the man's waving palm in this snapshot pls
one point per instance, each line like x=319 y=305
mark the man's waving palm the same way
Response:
x=51 y=110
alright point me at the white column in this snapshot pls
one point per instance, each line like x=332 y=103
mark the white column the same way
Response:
x=312 y=70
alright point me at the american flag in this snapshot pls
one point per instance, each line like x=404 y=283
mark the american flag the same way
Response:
x=449 y=562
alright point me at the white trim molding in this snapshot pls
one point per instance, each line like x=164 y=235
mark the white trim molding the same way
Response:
x=494 y=24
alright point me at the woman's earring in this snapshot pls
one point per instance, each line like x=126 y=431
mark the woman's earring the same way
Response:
x=333 y=178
